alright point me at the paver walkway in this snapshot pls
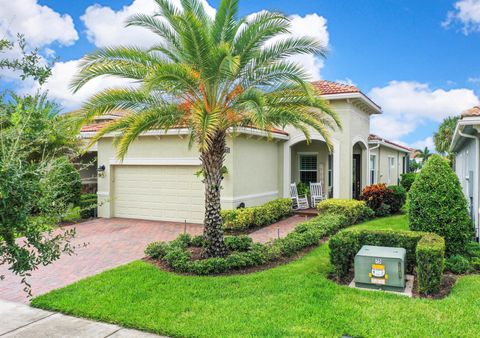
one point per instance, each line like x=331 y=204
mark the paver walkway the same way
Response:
x=112 y=242
x=22 y=321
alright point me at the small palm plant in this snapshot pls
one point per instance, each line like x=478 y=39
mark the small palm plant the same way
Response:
x=210 y=75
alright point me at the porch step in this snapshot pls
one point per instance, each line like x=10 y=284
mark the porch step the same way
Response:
x=307 y=212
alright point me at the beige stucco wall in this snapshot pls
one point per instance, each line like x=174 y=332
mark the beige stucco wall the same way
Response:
x=382 y=154
x=356 y=126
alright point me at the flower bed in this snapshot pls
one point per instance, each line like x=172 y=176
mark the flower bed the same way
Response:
x=181 y=255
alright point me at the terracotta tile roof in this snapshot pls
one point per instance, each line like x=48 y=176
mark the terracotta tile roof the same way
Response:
x=472 y=112
x=329 y=87
x=373 y=137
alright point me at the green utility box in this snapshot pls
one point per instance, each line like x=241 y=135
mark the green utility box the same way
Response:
x=379 y=267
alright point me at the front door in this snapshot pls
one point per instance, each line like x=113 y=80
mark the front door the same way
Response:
x=356 y=176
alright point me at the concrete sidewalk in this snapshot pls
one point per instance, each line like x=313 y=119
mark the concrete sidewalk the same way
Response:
x=19 y=320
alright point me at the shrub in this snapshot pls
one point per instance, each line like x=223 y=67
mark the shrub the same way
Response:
x=354 y=210
x=88 y=205
x=376 y=196
x=430 y=255
x=397 y=199
x=383 y=210
x=475 y=264
x=437 y=204
x=238 y=243
x=472 y=250
x=345 y=245
x=245 y=253
x=198 y=241
x=458 y=264
x=242 y=219
x=407 y=180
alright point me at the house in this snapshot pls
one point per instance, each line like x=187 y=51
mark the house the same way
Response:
x=466 y=147
x=156 y=180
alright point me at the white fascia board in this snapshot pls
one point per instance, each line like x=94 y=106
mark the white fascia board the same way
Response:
x=466 y=121
x=185 y=131
x=388 y=145
x=360 y=96
x=184 y=161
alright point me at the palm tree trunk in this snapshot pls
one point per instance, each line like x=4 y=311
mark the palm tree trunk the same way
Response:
x=212 y=162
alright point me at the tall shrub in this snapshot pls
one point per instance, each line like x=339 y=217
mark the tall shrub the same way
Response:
x=407 y=180
x=437 y=204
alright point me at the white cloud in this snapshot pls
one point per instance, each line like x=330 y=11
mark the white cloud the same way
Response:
x=408 y=105
x=467 y=14
x=40 y=24
x=421 y=144
x=106 y=27
x=58 y=85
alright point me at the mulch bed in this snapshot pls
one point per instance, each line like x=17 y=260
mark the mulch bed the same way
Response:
x=448 y=281
x=80 y=221
x=196 y=254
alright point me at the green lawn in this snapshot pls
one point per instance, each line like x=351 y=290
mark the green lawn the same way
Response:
x=399 y=223
x=291 y=300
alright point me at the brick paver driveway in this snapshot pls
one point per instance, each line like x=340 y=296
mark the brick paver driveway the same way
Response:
x=112 y=242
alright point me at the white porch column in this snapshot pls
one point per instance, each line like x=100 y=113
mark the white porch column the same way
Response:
x=287 y=168
x=336 y=169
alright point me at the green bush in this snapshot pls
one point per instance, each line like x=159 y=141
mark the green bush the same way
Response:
x=397 y=199
x=475 y=264
x=88 y=205
x=271 y=212
x=198 y=241
x=428 y=258
x=243 y=252
x=407 y=180
x=437 y=204
x=458 y=264
x=377 y=197
x=472 y=250
x=355 y=211
x=430 y=255
x=238 y=243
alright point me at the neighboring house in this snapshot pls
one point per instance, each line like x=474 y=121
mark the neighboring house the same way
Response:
x=156 y=180
x=388 y=160
x=466 y=147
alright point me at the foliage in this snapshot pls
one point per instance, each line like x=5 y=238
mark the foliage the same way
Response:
x=397 y=198
x=437 y=204
x=244 y=253
x=61 y=183
x=407 y=180
x=443 y=137
x=29 y=64
x=414 y=166
x=424 y=154
x=303 y=189
x=430 y=254
x=245 y=218
x=376 y=197
x=458 y=264
x=355 y=211
x=283 y=302
x=428 y=258
x=209 y=75
x=88 y=205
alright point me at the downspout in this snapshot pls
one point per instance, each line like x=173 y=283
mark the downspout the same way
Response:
x=475 y=184
x=378 y=161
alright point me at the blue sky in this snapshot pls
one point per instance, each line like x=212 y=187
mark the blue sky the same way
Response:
x=417 y=59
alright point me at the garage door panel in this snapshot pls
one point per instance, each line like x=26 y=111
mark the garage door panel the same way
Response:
x=170 y=193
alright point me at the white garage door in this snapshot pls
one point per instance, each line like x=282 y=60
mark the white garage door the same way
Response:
x=165 y=193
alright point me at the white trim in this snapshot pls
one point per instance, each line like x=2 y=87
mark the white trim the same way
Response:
x=187 y=161
x=388 y=145
x=374 y=108
x=186 y=131
x=287 y=162
x=243 y=198
x=103 y=194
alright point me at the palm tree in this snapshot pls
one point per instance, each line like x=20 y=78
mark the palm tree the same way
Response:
x=210 y=75
x=443 y=137
x=423 y=154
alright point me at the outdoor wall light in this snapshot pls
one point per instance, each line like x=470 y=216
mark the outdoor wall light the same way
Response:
x=101 y=171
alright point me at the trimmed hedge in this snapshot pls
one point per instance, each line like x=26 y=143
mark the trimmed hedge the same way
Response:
x=397 y=199
x=355 y=211
x=407 y=180
x=88 y=205
x=430 y=255
x=424 y=250
x=437 y=204
x=271 y=212
x=243 y=252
